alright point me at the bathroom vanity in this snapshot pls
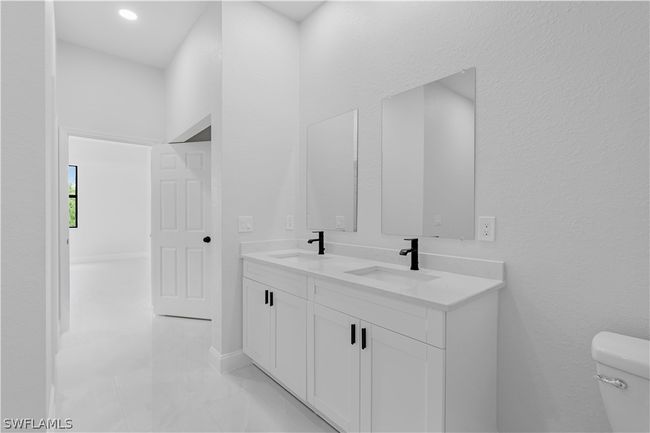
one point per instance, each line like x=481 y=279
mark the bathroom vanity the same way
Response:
x=373 y=346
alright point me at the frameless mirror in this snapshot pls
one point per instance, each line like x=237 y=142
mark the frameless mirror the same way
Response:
x=332 y=173
x=428 y=159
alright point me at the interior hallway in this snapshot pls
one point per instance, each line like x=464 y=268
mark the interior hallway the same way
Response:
x=120 y=368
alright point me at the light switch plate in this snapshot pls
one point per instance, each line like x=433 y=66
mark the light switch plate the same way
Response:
x=245 y=224
x=486 y=228
x=289 y=222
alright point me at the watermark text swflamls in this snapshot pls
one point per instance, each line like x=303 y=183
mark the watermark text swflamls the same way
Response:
x=36 y=424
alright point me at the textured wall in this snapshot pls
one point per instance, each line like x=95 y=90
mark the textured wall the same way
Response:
x=109 y=95
x=29 y=283
x=562 y=162
x=192 y=75
x=260 y=121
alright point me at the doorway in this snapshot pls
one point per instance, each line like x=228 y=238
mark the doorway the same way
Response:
x=109 y=223
x=112 y=200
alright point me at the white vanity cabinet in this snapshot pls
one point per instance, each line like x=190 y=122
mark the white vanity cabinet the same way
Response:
x=288 y=341
x=333 y=361
x=367 y=360
x=274 y=329
x=402 y=383
x=257 y=322
x=362 y=376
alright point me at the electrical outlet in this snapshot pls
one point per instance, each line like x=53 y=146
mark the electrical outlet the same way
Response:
x=486 y=228
x=289 y=223
x=245 y=224
x=340 y=222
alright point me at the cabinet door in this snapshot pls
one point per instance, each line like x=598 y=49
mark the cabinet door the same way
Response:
x=289 y=341
x=402 y=383
x=257 y=320
x=333 y=365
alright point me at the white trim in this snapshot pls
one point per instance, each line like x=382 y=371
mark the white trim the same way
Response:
x=193 y=130
x=64 y=231
x=108 y=257
x=51 y=412
x=228 y=362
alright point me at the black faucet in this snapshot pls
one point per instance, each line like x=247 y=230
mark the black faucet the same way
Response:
x=321 y=241
x=414 y=253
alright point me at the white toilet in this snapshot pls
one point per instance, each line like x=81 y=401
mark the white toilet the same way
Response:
x=623 y=371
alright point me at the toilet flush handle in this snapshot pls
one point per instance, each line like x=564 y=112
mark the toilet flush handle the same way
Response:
x=618 y=383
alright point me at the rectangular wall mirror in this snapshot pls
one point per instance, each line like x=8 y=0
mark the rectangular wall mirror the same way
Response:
x=332 y=173
x=428 y=159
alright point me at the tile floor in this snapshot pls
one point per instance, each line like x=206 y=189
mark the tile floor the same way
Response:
x=121 y=368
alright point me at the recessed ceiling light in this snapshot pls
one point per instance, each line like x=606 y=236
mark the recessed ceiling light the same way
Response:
x=128 y=14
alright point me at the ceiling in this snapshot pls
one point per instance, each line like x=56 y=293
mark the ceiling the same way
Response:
x=297 y=10
x=152 y=39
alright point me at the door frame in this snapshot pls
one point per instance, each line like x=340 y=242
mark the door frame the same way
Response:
x=64 y=134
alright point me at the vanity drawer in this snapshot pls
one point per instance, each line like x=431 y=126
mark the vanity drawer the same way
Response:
x=290 y=282
x=415 y=321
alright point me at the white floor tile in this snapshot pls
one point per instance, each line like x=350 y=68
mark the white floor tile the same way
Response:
x=121 y=368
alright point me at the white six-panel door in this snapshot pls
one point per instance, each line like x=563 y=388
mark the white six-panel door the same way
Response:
x=180 y=220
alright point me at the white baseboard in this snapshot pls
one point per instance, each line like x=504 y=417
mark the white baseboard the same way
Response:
x=108 y=258
x=229 y=361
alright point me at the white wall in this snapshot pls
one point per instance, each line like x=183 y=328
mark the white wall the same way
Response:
x=192 y=76
x=28 y=281
x=114 y=200
x=561 y=161
x=109 y=95
x=260 y=124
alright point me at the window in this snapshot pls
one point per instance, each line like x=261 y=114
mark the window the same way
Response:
x=72 y=195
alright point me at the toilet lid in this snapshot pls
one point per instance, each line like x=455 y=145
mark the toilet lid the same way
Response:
x=623 y=352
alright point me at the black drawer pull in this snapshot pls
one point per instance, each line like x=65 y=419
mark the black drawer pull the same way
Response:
x=271 y=299
x=363 y=338
x=353 y=333
x=266 y=297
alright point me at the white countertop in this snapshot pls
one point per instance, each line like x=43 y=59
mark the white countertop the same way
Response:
x=446 y=292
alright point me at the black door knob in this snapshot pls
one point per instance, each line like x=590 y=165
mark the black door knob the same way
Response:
x=207 y=239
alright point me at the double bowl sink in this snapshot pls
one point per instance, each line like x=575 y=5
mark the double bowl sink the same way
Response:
x=398 y=277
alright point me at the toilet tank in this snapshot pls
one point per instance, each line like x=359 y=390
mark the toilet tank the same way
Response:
x=623 y=371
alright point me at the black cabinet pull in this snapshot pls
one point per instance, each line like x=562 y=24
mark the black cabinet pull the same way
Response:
x=363 y=338
x=353 y=333
x=207 y=239
x=266 y=297
x=271 y=299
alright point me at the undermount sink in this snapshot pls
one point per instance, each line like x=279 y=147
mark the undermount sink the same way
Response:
x=300 y=257
x=394 y=276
